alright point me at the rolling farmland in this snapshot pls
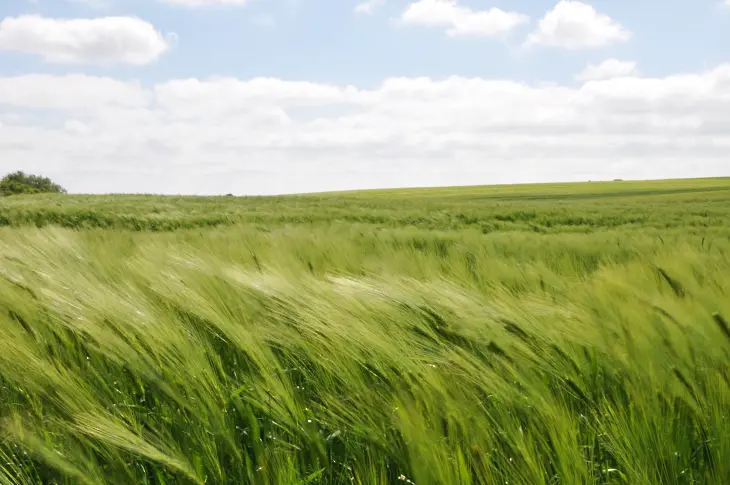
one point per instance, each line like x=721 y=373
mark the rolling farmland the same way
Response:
x=533 y=334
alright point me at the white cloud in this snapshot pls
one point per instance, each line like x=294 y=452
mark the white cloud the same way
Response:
x=461 y=21
x=607 y=69
x=43 y=91
x=369 y=6
x=268 y=135
x=107 y=40
x=576 y=25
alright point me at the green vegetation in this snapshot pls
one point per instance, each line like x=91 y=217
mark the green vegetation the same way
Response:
x=22 y=183
x=573 y=334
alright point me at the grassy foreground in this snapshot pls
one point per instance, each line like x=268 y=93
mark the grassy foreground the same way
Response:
x=564 y=334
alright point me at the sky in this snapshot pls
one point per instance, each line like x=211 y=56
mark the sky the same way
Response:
x=257 y=97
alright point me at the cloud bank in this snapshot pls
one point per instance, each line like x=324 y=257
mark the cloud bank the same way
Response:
x=266 y=135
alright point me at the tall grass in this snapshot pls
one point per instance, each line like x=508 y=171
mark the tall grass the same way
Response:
x=368 y=353
x=551 y=208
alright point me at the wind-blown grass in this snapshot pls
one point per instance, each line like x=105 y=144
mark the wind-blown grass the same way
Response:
x=371 y=353
x=551 y=208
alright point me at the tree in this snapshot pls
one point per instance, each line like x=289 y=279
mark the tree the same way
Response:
x=22 y=183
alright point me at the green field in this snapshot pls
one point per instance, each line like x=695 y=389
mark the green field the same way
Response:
x=520 y=335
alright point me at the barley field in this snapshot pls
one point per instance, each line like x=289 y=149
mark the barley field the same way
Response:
x=517 y=335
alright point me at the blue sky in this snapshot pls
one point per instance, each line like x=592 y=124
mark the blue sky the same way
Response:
x=408 y=72
x=324 y=40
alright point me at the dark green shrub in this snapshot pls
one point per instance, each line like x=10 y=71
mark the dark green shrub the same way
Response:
x=22 y=183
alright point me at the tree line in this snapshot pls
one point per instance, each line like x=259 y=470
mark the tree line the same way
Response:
x=21 y=183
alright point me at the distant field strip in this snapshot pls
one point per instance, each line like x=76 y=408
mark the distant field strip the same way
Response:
x=548 y=208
